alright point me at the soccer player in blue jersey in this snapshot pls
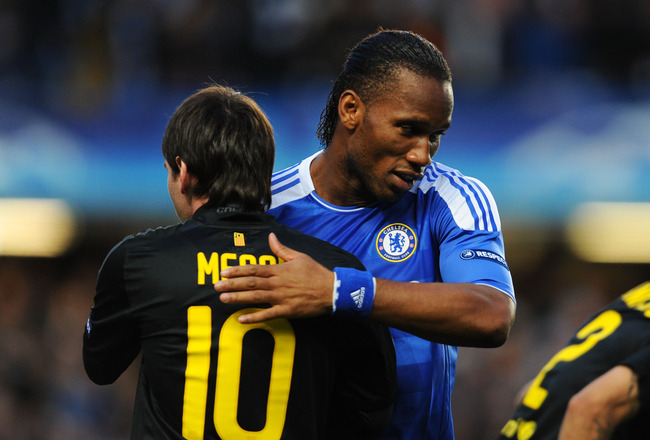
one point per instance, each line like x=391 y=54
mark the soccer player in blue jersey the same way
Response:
x=429 y=236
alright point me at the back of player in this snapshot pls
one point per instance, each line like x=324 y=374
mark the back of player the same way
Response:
x=619 y=334
x=204 y=375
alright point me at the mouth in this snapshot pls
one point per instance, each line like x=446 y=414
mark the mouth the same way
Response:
x=407 y=178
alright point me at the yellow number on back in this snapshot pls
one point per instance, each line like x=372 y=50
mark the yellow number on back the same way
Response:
x=199 y=340
x=229 y=368
x=199 y=332
x=598 y=329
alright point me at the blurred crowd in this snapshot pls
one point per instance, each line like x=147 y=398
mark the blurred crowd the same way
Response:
x=44 y=392
x=79 y=57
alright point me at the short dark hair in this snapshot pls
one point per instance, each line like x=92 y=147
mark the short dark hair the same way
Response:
x=375 y=61
x=227 y=143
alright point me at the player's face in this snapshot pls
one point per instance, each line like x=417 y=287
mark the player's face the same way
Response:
x=398 y=135
x=181 y=205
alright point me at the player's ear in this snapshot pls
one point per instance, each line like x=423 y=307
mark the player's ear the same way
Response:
x=351 y=109
x=187 y=180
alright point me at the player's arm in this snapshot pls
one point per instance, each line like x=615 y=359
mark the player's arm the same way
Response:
x=453 y=313
x=596 y=410
x=110 y=340
x=463 y=314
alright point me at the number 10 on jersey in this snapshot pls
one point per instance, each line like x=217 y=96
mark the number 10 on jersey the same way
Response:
x=199 y=335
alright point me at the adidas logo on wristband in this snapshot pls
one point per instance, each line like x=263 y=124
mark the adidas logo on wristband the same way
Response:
x=357 y=296
x=354 y=292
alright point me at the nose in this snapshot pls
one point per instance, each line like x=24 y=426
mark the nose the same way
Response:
x=420 y=154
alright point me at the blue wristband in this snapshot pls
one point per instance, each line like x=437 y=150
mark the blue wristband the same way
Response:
x=354 y=292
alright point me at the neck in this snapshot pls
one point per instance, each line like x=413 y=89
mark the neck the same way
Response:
x=332 y=181
x=196 y=203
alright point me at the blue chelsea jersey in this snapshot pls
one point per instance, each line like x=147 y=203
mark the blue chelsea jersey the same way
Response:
x=446 y=229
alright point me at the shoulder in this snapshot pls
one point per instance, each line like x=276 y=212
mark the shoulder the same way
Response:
x=450 y=183
x=468 y=199
x=143 y=240
x=153 y=235
x=292 y=183
x=322 y=251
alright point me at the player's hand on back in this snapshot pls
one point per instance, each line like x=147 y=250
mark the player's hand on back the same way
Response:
x=298 y=288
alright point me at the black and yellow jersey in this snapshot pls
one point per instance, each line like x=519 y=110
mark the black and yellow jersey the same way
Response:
x=203 y=374
x=619 y=334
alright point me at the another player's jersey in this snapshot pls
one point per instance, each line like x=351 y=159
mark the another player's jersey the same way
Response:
x=446 y=229
x=203 y=374
x=619 y=334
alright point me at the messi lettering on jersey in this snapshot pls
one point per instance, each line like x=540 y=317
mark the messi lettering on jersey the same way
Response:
x=218 y=262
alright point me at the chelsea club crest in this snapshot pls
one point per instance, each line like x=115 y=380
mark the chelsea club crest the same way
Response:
x=396 y=242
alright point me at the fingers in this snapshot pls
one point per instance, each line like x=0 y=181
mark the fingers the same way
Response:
x=262 y=315
x=289 y=288
x=255 y=270
x=278 y=309
x=283 y=252
x=248 y=284
x=245 y=291
x=248 y=270
x=252 y=298
x=242 y=298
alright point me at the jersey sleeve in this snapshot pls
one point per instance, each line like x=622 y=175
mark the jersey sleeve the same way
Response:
x=110 y=340
x=468 y=229
x=476 y=257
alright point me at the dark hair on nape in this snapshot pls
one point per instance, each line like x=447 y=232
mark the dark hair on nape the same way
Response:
x=376 y=60
x=227 y=142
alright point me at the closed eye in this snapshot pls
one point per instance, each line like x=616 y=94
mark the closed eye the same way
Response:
x=435 y=137
x=419 y=129
x=407 y=129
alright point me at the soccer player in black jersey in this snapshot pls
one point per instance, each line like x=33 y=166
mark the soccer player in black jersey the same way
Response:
x=203 y=374
x=598 y=385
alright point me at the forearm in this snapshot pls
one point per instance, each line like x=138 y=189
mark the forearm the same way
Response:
x=595 y=411
x=586 y=427
x=461 y=314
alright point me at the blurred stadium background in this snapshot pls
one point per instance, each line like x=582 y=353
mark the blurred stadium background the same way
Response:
x=552 y=113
